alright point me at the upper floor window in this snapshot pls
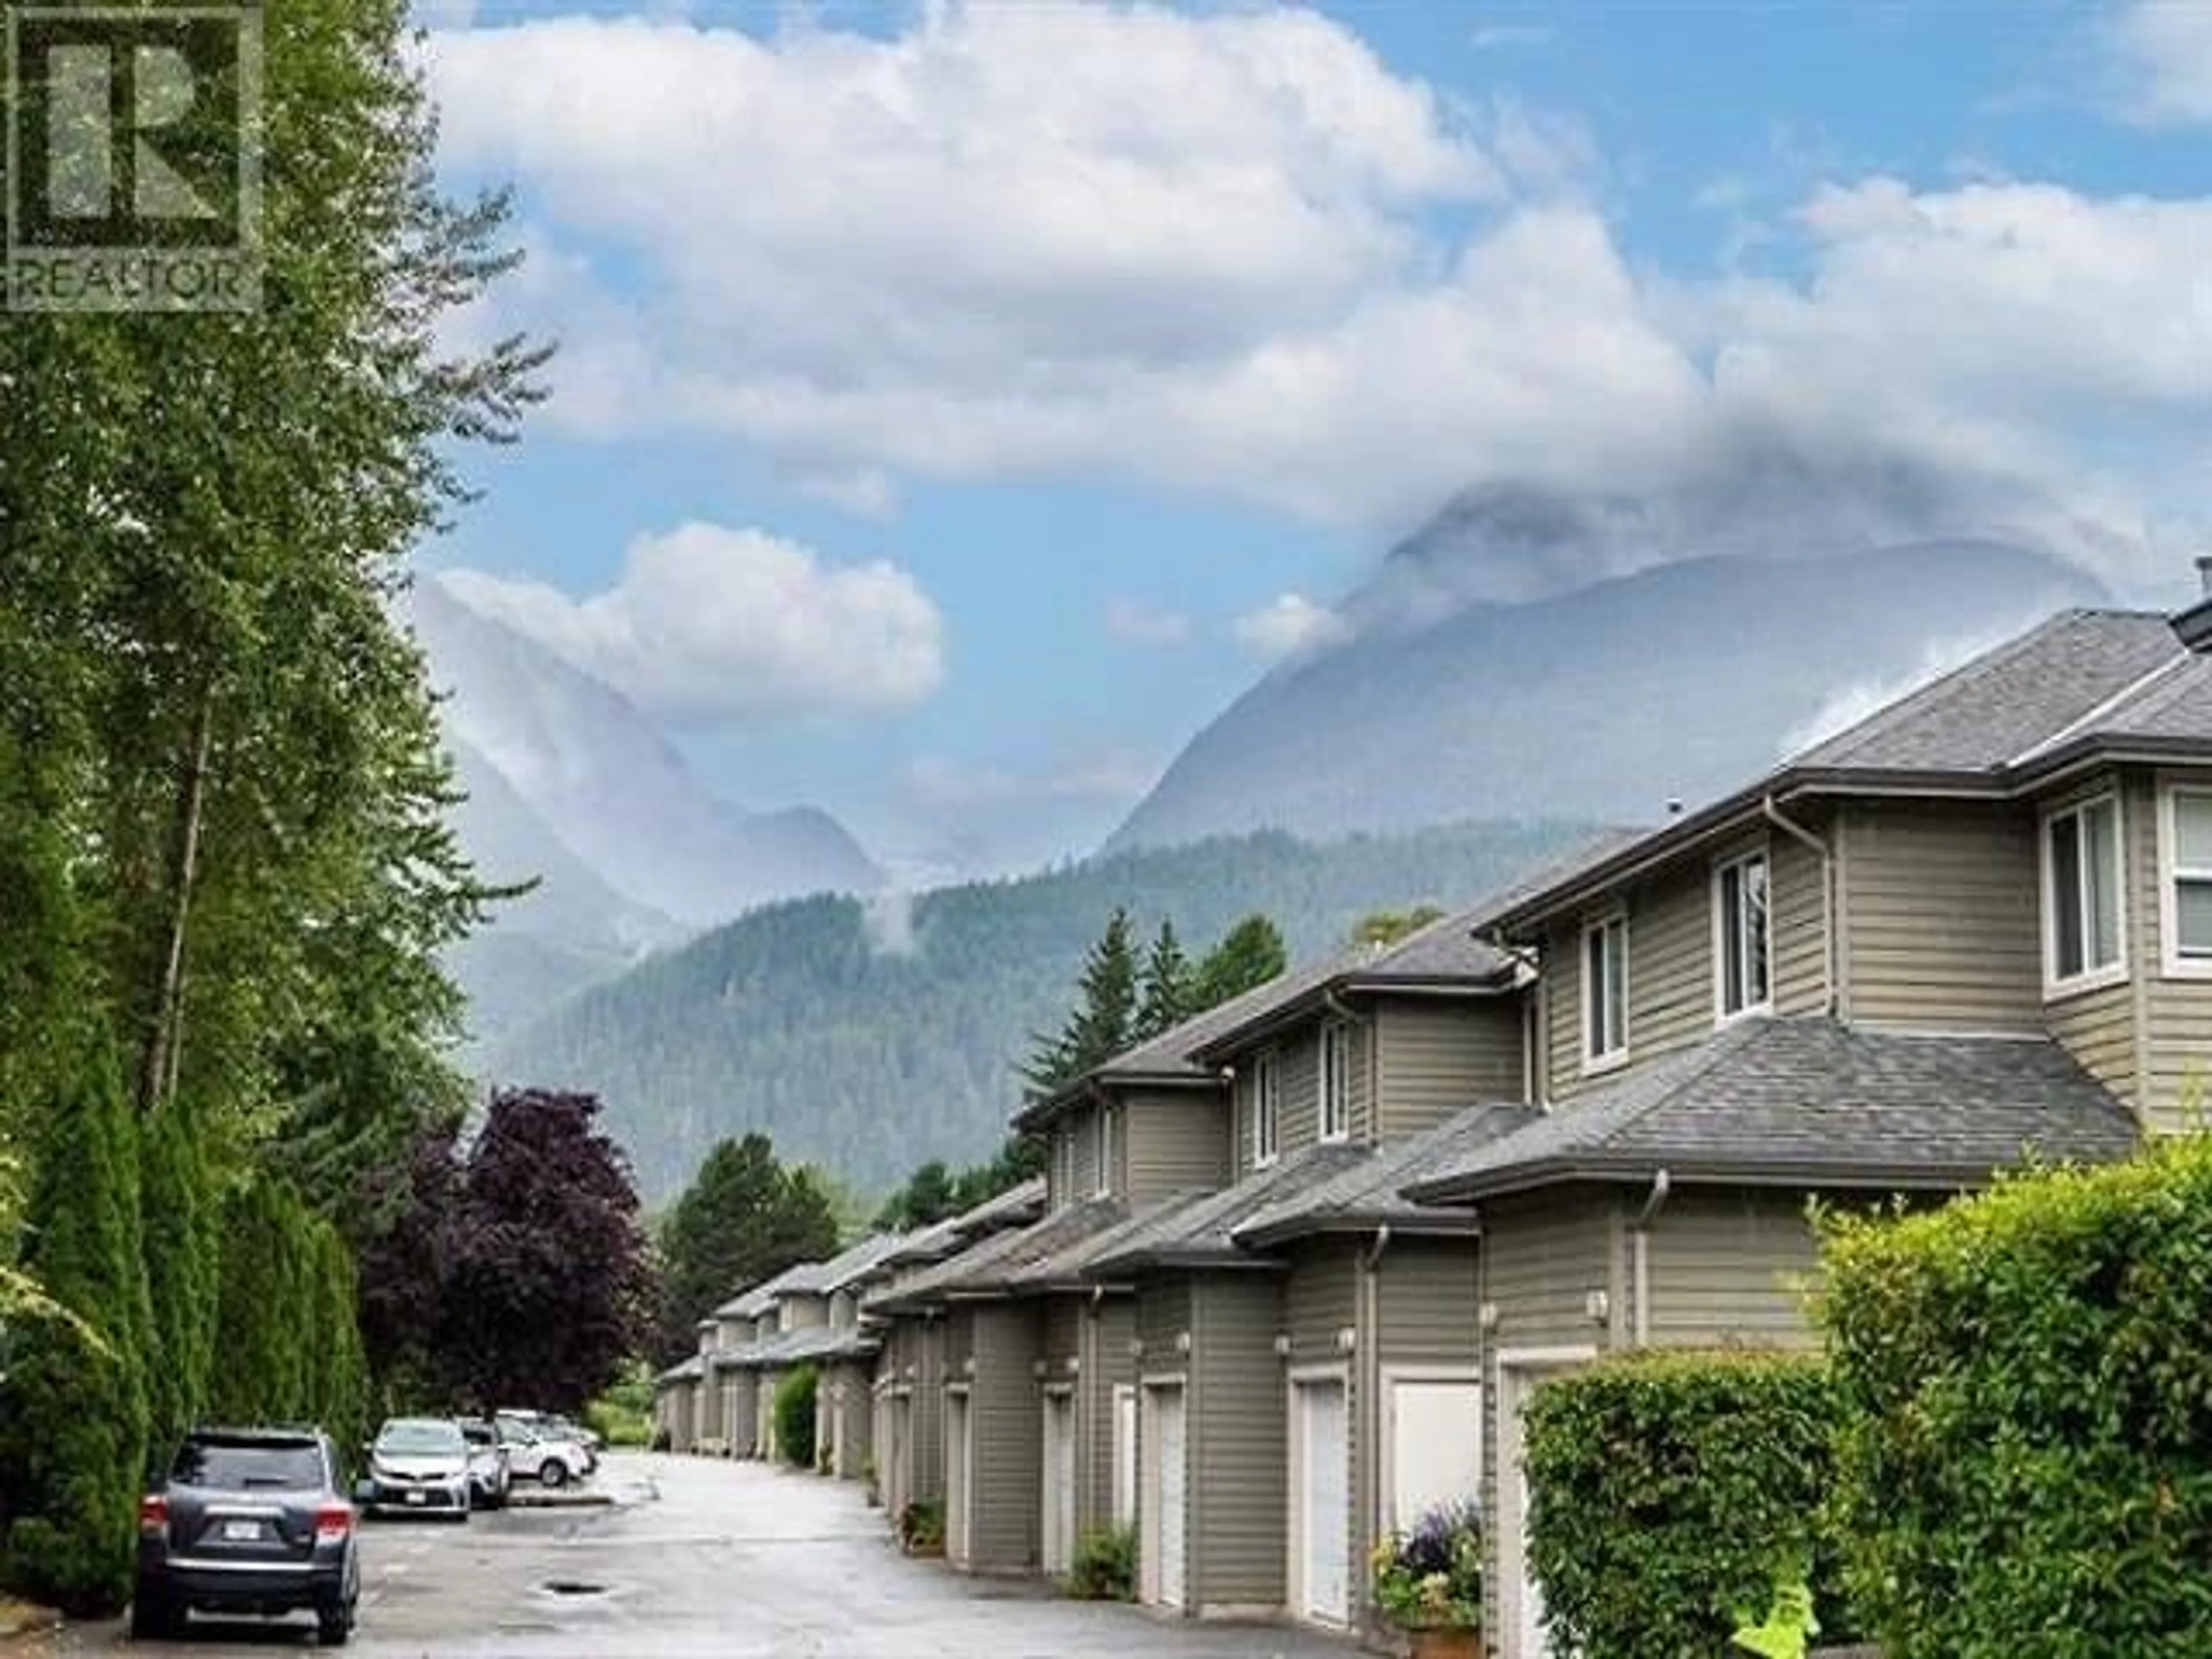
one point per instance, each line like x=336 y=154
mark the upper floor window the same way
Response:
x=1740 y=956
x=2187 y=900
x=1266 y=1109
x=1605 y=992
x=1335 y=1080
x=1102 y=1181
x=2084 y=934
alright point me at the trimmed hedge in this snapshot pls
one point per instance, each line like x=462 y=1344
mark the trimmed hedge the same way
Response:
x=1668 y=1490
x=794 y=1418
x=2026 y=1466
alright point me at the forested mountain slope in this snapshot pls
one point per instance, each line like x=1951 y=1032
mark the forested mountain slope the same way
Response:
x=870 y=1041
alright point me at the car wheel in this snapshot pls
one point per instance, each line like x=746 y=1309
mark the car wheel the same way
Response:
x=553 y=1473
x=334 y=1625
x=152 y=1615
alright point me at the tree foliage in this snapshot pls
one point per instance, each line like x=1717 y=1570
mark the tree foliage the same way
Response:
x=1166 y=988
x=2025 y=1460
x=1250 y=954
x=514 y=1270
x=184 y=1242
x=1670 y=1493
x=1380 y=928
x=791 y=1021
x=73 y=1394
x=796 y=1395
x=744 y=1218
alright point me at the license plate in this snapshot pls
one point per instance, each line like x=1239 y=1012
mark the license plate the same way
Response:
x=240 y=1532
x=418 y=1497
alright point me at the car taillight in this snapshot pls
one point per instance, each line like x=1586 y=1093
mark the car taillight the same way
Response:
x=152 y=1513
x=333 y=1522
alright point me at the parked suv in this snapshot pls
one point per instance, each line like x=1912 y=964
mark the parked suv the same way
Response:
x=247 y=1521
x=489 y=1474
x=551 y=1425
x=547 y=1459
x=418 y=1465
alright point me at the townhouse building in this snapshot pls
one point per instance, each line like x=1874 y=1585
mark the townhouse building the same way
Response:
x=1299 y=1265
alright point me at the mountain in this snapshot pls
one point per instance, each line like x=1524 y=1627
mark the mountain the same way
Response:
x=873 y=1036
x=568 y=783
x=1603 y=702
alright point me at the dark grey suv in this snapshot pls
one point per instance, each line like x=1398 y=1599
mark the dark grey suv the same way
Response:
x=252 y=1521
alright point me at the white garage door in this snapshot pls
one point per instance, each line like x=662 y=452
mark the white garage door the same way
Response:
x=1165 y=1490
x=1435 y=1446
x=1124 y=1455
x=1324 y=1502
x=1059 y=1482
x=959 y=1467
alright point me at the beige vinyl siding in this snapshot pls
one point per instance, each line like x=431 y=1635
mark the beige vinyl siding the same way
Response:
x=1426 y=1295
x=1164 y=1314
x=1799 y=928
x=1943 y=917
x=740 y=1406
x=1320 y=1298
x=1439 y=1055
x=845 y=1398
x=1176 y=1141
x=1105 y=1328
x=1238 y=1493
x=802 y=1313
x=1670 y=975
x=1005 y=1415
x=1731 y=1268
x=2175 y=1062
x=1083 y=1156
x=1299 y=1061
x=926 y=1381
x=2099 y=1029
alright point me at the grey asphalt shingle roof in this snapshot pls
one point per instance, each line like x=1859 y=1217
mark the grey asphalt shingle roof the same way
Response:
x=815 y=1342
x=2079 y=680
x=998 y=1262
x=854 y=1263
x=1199 y=1231
x=752 y=1303
x=2009 y=699
x=1810 y=1099
x=690 y=1370
x=1370 y=1193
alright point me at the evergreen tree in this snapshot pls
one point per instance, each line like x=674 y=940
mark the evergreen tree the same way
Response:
x=338 y=1363
x=1250 y=954
x=184 y=1270
x=1386 y=927
x=744 y=1218
x=1104 y=1015
x=927 y=1197
x=264 y=1373
x=73 y=1405
x=1165 y=988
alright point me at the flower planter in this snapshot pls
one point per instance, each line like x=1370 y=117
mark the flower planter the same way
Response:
x=1445 y=1642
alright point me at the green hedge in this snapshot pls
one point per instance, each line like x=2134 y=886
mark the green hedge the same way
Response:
x=1668 y=1490
x=794 y=1418
x=2027 y=1462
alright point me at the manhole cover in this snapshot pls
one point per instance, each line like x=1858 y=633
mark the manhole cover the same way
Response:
x=573 y=1587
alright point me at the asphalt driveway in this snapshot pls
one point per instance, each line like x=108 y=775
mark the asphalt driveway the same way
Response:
x=702 y=1559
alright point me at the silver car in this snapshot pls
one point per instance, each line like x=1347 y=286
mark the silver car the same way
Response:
x=419 y=1466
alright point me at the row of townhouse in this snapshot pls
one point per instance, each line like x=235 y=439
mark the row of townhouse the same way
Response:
x=1298 y=1264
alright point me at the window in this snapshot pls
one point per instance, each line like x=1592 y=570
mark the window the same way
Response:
x=1335 y=1081
x=1740 y=913
x=2188 y=882
x=2081 y=860
x=1605 y=992
x=1266 y=1109
x=1104 y=1182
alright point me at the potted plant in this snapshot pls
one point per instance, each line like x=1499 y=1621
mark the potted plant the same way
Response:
x=922 y=1528
x=1428 y=1581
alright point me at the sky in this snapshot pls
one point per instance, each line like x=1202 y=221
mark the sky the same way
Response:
x=957 y=405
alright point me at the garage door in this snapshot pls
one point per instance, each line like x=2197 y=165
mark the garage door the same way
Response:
x=1059 y=1482
x=1324 y=1495
x=1124 y=1455
x=959 y=1466
x=1435 y=1445
x=1166 y=1449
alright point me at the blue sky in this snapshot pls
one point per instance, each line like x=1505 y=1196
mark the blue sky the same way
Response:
x=959 y=404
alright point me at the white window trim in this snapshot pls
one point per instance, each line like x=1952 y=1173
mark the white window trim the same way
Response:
x=1595 y=1064
x=1722 y=1014
x=1335 y=1095
x=2094 y=979
x=1266 y=1068
x=2172 y=964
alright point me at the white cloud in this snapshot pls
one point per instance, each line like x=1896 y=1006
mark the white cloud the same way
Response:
x=1208 y=253
x=1288 y=622
x=1133 y=622
x=711 y=625
x=2163 y=52
x=1850 y=704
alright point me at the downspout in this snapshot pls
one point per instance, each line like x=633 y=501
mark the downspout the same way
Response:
x=1639 y=1246
x=1798 y=832
x=1367 y=1366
